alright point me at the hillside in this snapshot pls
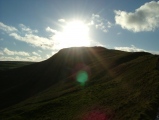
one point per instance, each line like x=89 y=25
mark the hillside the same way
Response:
x=85 y=83
x=5 y=65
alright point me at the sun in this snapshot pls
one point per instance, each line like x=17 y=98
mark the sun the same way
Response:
x=75 y=34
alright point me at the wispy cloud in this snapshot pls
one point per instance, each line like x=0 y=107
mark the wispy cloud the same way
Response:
x=132 y=48
x=129 y=49
x=27 y=29
x=9 y=52
x=100 y=23
x=62 y=20
x=34 y=40
x=36 y=54
x=145 y=18
x=52 y=42
x=7 y=28
x=48 y=29
x=28 y=36
x=39 y=51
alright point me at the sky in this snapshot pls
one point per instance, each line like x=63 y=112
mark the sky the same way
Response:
x=34 y=30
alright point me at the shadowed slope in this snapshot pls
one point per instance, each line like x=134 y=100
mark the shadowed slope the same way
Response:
x=117 y=85
x=5 y=65
x=21 y=83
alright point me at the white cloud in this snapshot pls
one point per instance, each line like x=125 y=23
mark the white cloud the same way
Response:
x=28 y=36
x=27 y=29
x=109 y=24
x=9 y=52
x=4 y=58
x=91 y=22
x=17 y=58
x=145 y=18
x=34 y=58
x=54 y=52
x=48 y=29
x=96 y=43
x=100 y=23
x=36 y=54
x=34 y=40
x=62 y=20
x=154 y=52
x=7 y=28
x=94 y=16
x=40 y=51
x=48 y=56
x=54 y=42
x=129 y=49
x=134 y=49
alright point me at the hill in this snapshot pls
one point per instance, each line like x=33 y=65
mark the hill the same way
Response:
x=5 y=65
x=85 y=83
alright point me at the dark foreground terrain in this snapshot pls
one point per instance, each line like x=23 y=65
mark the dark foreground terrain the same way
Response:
x=82 y=84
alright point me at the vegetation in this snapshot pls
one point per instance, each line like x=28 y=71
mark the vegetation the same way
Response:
x=5 y=65
x=120 y=86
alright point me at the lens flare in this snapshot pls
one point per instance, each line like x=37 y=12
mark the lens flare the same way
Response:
x=81 y=73
x=82 y=77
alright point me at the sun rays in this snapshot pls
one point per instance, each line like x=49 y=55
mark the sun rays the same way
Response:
x=74 y=34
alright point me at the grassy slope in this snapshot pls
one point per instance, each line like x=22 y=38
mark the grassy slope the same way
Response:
x=5 y=65
x=122 y=86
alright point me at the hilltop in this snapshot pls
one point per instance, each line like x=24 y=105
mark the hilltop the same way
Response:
x=82 y=83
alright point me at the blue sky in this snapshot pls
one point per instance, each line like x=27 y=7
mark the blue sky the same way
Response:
x=31 y=30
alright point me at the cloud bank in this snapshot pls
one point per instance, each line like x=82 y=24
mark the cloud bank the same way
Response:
x=21 y=53
x=17 y=58
x=9 y=55
x=145 y=18
x=132 y=48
